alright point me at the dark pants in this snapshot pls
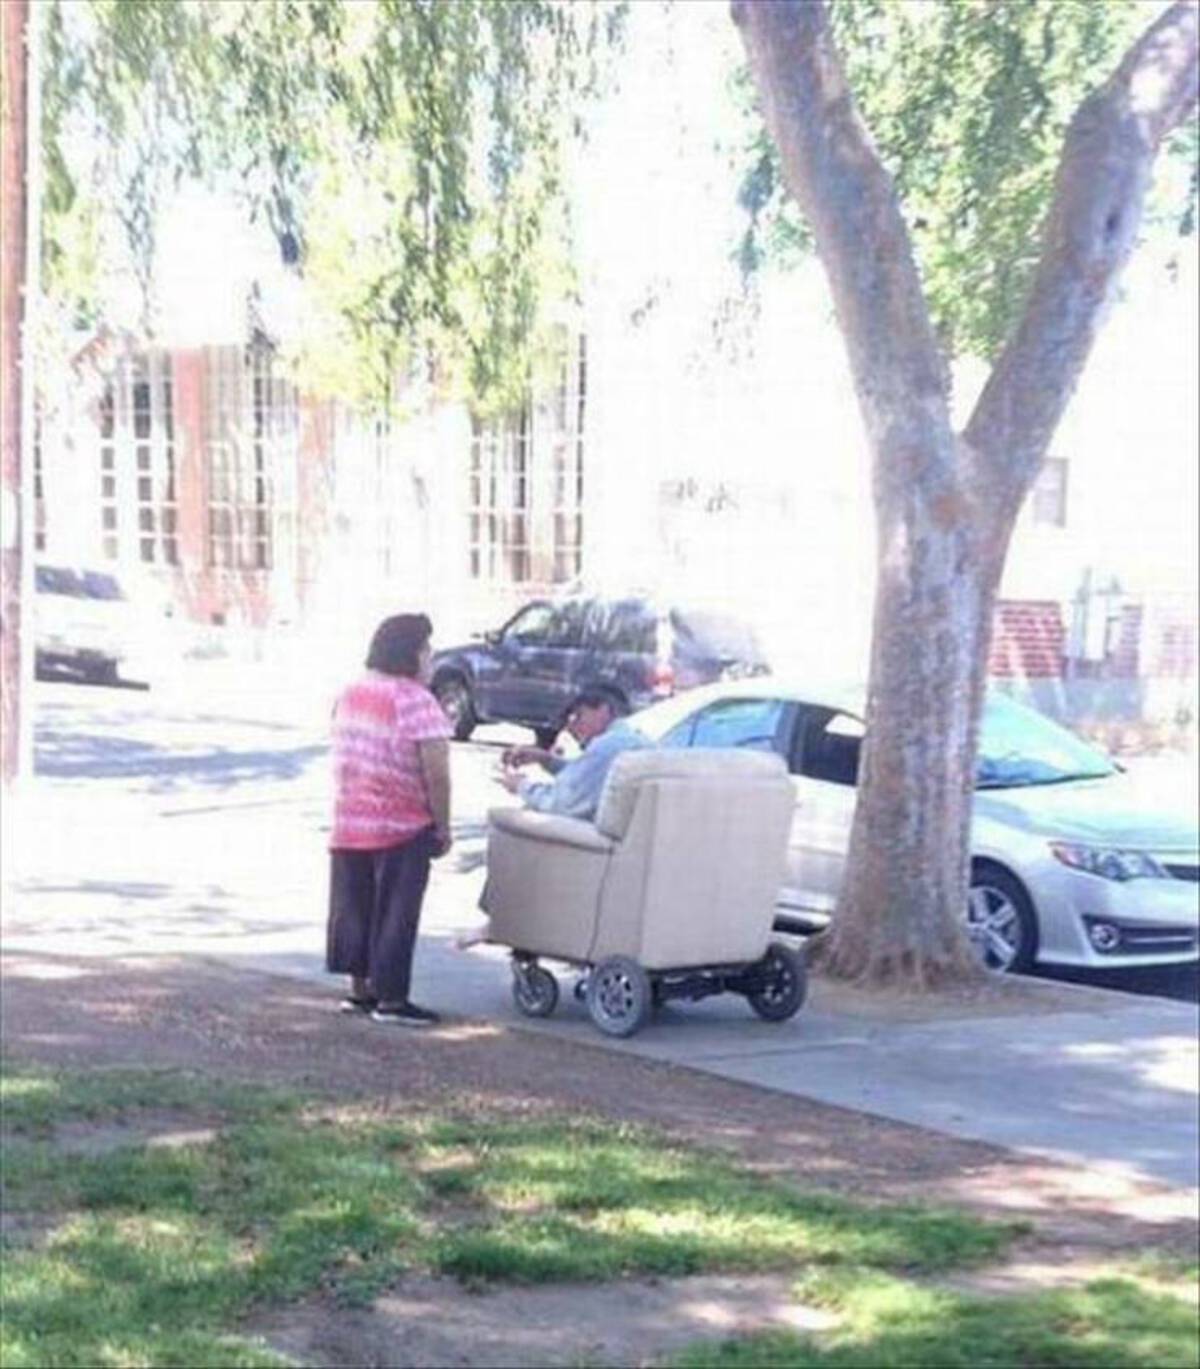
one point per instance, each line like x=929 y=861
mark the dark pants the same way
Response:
x=374 y=908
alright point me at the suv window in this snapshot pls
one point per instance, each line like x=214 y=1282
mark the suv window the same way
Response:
x=532 y=626
x=717 y=636
x=830 y=746
x=566 y=627
x=756 y=724
x=627 y=626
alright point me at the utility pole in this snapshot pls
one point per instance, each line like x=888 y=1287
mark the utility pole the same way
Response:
x=19 y=277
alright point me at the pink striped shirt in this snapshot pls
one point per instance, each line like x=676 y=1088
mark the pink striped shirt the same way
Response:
x=379 y=790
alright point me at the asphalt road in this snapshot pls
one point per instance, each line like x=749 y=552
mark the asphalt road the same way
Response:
x=208 y=739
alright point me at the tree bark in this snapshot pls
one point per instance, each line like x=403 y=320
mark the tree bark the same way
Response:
x=14 y=15
x=945 y=506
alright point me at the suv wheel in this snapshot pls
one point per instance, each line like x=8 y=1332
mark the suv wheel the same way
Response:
x=455 y=698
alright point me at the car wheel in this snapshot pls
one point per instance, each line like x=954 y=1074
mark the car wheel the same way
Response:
x=786 y=986
x=619 y=996
x=455 y=698
x=535 y=990
x=1001 y=922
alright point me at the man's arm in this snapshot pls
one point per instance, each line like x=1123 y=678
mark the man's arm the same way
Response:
x=435 y=767
x=533 y=755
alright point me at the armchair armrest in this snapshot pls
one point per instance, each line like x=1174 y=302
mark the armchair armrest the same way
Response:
x=549 y=827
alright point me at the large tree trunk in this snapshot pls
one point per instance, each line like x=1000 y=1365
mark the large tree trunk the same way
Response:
x=14 y=18
x=945 y=507
x=899 y=915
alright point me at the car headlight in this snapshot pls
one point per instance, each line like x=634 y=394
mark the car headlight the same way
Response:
x=1107 y=862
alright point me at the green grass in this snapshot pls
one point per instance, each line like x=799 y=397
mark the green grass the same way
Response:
x=884 y=1320
x=151 y=1254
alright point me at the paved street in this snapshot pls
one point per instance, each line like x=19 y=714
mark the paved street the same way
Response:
x=190 y=820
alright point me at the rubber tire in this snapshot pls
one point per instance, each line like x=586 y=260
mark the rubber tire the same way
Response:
x=462 y=718
x=996 y=877
x=619 y=996
x=785 y=1001
x=534 y=991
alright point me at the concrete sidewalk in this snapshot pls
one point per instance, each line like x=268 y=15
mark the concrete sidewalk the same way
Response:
x=1088 y=1076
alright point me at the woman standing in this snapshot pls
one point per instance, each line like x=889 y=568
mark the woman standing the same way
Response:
x=391 y=770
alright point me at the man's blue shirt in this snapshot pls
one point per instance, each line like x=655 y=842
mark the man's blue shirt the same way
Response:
x=575 y=791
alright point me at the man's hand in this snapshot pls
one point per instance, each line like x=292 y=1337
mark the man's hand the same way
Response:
x=516 y=756
x=510 y=779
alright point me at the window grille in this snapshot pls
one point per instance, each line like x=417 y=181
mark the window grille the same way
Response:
x=568 y=465
x=39 y=489
x=254 y=413
x=137 y=460
x=499 y=498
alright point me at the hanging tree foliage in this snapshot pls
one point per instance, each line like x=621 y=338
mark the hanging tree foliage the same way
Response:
x=406 y=154
x=967 y=104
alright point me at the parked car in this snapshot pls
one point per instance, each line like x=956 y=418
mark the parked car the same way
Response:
x=528 y=671
x=1072 y=862
x=83 y=622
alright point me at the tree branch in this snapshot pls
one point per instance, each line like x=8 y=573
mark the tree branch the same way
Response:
x=835 y=174
x=1090 y=230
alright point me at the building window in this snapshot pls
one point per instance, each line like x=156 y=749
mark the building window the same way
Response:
x=568 y=465
x=252 y=410
x=108 y=474
x=499 y=498
x=151 y=402
x=39 y=489
x=137 y=460
x=1048 y=500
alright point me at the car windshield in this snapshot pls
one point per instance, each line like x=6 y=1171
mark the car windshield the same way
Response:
x=1019 y=746
x=88 y=584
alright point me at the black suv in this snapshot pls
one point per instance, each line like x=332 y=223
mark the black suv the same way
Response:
x=636 y=649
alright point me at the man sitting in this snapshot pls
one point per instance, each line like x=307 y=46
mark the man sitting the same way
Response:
x=594 y=720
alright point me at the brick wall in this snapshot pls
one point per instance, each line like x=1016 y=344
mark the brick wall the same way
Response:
x=1028 y=639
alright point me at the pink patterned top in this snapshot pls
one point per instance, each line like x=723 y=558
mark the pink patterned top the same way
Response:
x=379 y=790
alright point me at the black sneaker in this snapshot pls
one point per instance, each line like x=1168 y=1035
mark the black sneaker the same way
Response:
x=406 y=1015
x=353 y=1004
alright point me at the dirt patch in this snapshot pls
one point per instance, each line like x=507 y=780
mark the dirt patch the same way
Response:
x=157 y=1131
x=993 y=996
x=425 y=1321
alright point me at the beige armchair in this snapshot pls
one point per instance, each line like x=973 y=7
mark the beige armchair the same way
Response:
x=678 y=875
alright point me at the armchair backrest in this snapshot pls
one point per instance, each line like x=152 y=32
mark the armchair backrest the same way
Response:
x=703 y=765
x=701 y=843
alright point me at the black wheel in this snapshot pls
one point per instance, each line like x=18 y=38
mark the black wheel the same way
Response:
x=546 y=736
x=619 y=996
x=534 y=990
x=786 y=987
x=455 y=698
x=1001 y=922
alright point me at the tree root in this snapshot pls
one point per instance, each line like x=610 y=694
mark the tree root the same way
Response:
x=853 y=961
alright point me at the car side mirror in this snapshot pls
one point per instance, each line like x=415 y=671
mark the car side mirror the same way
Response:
x=493 y=637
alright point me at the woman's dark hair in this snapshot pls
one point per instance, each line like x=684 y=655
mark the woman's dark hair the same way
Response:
x=397 y=644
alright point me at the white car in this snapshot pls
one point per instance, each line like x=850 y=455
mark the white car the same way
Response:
x=84 y=622
x=1072 y=862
